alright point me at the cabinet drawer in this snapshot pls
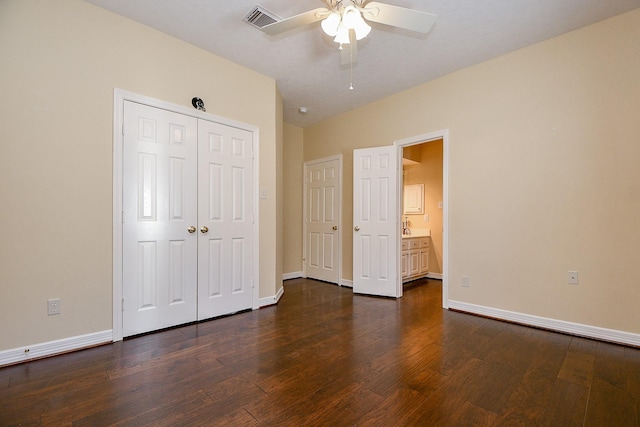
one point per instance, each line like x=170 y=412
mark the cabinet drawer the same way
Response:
x=405 y=244
x=414 y=244
x=424 y=243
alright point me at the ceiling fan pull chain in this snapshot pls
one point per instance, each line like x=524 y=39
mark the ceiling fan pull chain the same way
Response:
x=351 y=65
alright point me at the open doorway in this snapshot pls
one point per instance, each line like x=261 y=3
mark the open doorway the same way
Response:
x=424 y=235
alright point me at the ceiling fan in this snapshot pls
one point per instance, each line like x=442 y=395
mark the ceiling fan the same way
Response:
x=346 y=21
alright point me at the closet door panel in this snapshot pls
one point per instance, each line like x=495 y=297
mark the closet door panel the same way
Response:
x=159 y=205
x=225 y=206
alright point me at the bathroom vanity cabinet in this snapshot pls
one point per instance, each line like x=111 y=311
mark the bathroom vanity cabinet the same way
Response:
x=415 y=257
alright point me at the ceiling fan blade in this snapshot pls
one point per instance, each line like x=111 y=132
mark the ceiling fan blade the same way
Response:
x=400 y=17
x=349 y=52
x=296 y=21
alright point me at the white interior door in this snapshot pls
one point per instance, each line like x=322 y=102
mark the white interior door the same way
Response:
x=375 y=221
x=322 y=240
x=226 y=215
x=188 y=219
x=159 y=206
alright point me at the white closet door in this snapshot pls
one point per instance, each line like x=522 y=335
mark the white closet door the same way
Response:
x=322 y=219
x=226 y=215
x=159 y=204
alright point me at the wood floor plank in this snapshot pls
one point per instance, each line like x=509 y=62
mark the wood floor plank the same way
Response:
x=565 y=405
x=205 y=416
x=610 y=405
x=632 y=358
x=541 y=393
x=324 y=356
x=491 y=385
x=472 y=415
x=577 y=368
x=583 y=345
x=171 y=412
x=344 y=402
x=438 y=408
x=513 y=348
x=395 y=410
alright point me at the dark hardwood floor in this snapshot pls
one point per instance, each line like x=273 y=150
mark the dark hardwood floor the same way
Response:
x=323 y=356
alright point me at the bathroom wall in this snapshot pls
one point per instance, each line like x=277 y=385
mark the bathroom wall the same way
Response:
x=429 y=173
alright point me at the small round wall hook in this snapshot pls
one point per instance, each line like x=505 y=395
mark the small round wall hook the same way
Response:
x=198 y=104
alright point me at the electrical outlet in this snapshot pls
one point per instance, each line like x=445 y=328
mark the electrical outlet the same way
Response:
x=465 y=281
x=572 y=277
x=53 y=306
x=426 y=218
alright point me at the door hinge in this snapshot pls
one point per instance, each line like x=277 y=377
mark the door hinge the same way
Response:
x=122 y=304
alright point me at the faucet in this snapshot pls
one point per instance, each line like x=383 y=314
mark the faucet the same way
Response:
x=405 y=226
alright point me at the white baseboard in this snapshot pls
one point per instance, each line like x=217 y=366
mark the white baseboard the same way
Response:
x=264 y=302
x=347 y=283
x=293 y=275
x=300 y=274
x=51 y=348
x=437 y=276
x=587 y=331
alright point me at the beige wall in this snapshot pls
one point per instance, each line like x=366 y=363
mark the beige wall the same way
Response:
x=428 y=172
x=60 y=61
x=543 y=175
x=293 y=190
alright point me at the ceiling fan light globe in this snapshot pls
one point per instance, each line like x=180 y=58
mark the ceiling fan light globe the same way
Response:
x=343 y=35
x=350 y=17
x=362 y=29
x=330 y=24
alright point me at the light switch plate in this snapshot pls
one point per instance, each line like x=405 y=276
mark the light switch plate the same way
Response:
x=465 y=281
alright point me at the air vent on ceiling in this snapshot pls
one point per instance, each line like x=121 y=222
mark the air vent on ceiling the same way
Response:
x=260 y=17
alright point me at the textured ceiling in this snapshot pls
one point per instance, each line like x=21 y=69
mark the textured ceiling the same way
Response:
x=306 y=64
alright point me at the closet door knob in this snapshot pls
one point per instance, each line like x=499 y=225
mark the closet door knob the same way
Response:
x=356 y=228
x=191 y=229
x=335 y=227
x=204 y=229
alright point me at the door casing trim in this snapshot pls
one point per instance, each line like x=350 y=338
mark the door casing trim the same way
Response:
x=119 y=97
